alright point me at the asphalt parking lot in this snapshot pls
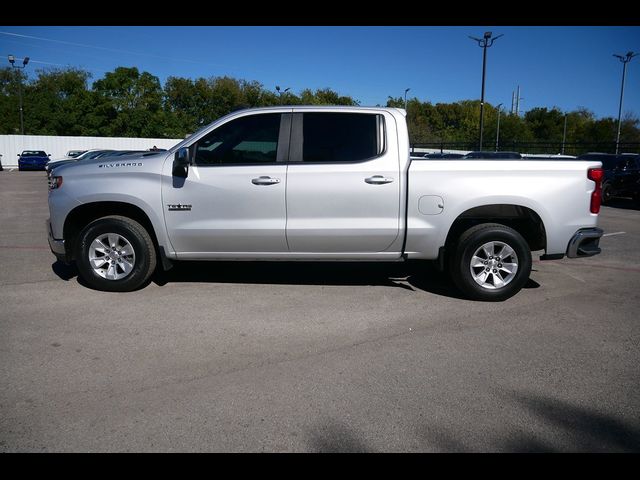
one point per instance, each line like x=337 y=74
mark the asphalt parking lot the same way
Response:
x=315 y=357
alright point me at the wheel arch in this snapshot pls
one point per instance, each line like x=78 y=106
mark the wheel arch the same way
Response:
x=82 y=215
x=522 y=219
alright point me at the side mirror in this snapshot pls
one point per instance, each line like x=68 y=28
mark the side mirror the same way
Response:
x=48 y=154
x=181 y=163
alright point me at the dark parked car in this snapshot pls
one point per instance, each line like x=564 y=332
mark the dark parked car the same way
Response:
x=621 y=175
x=436 y=155
x=449 y=156
x=32 y=160
x=493 y=155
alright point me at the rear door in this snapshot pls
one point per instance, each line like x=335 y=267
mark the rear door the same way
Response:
x=343 y=182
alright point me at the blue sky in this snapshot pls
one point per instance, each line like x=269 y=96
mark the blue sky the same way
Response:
x=567 y=67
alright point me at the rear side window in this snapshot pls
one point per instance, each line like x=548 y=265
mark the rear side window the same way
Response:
x=342 y=137
x=246 y=140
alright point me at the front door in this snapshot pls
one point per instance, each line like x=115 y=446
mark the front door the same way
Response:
x=233 y=199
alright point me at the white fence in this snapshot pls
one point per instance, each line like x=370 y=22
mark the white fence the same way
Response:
x=12 y=145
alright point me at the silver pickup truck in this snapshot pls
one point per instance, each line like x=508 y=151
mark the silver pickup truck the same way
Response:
x=320 y=184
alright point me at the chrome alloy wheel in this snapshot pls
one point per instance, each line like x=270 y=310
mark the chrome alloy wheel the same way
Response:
x=494 y=265
x=111 y=256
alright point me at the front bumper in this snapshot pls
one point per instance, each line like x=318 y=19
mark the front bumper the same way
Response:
x=584 y=243
x=31 y=166
x=56 y=246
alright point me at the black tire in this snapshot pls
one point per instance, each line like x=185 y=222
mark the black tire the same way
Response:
x=469 y=242
x=137 y=236
x=606 y=194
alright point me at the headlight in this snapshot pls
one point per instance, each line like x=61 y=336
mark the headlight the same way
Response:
x=54 y=182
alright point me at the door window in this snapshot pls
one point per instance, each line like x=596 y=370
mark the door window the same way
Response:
x=342 y=137
x=247 y=140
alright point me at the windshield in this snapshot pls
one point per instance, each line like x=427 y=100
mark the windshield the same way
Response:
x=33 y=153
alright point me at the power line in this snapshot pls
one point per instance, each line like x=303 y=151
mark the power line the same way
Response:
x=113 y=50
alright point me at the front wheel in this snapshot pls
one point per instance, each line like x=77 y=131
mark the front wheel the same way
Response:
x=490 y=262
x=115 y=254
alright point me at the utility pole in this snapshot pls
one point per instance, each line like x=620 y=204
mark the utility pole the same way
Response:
x=405 y=98
x=12 y=61
x=518 y=102
x=484 y=43
x=626 y=59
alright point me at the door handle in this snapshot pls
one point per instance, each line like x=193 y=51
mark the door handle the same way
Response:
x=378 y=180
x=264 y=180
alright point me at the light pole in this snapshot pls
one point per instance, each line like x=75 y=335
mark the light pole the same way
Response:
x=626 y=59
x=564 y=133
x=281 y=92
x=12 y=61
x=499 y=107
x=405 y=97
x=485 y=43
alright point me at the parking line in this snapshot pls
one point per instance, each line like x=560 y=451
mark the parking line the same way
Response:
x=614 y=233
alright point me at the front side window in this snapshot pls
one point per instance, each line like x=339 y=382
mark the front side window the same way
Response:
x=246 y=140
x=342 y=137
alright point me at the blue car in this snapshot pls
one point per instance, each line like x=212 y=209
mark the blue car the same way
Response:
x=32 y=160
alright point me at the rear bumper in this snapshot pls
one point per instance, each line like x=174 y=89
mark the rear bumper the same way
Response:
x=56 y=246
x=584 y=243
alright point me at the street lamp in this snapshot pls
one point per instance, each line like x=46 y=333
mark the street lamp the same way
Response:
x=485 y=43
x=564 y=134
x=12 y=61
x=281 y=92
x=499 y=107
x=405 y=97
x=626 y=59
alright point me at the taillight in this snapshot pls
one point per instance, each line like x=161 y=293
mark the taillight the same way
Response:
x=55 y=182
x=596 y=174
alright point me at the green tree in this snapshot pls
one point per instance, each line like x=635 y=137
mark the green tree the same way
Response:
x=544 y=124
x=9 y=100
x=127 y=102
x=137 y=100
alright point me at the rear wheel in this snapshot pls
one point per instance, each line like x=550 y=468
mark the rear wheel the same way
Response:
x=115 y=254
x=490 y=262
